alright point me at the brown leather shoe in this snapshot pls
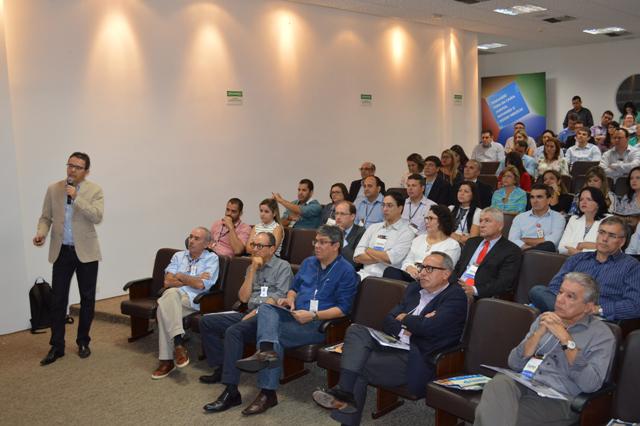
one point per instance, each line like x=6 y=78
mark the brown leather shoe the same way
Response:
x=163 y=369
x=258 y=361
x=261 y=404
x=181 y=356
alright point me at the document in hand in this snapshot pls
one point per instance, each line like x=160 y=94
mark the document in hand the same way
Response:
x=335 y=348
x=472 y=382
x=385 y=340
x=542 y=390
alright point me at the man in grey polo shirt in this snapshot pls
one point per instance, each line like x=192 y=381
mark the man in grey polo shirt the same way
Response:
x=268 y=279
x=567 y=350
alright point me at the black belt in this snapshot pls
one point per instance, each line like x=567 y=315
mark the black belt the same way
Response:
x=68 y=247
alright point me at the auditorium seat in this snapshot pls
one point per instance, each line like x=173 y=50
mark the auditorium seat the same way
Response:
x=491 y=180
x=577 y=184
x=625 y=401
x=621 y=187
x=580 y=168
x=489 y=167
x=401 y=191
x=286 y=243
x=537 y=267
x=495 y=328
x=567 y=181
x=301 y=245
x=508 y=220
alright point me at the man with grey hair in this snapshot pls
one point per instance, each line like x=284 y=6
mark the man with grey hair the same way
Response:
x=567 y=350
x=356 y=190
x=617 y=273
x=489 y=264
x=323 y=289
x=429 y=319
x=471 y=173
x=190 y=272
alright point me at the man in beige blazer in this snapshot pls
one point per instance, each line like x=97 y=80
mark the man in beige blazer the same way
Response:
x=71 y=209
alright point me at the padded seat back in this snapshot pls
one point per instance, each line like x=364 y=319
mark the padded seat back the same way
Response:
x=301 y=246
x=223 y=266
x=621 y=187
x=163 y=258
x=579 y=168
x=497 y=326
x=508 y=220
x=538 y=267
x=375 y=298
x=625 y=402
x=491 y=180
x=489 y=167
x=233 y=281
x=577 y=183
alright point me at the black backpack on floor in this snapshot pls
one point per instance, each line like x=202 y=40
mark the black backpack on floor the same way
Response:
x=40 y=300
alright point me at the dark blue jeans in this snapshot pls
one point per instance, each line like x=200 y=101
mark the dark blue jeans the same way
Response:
x=543 y=298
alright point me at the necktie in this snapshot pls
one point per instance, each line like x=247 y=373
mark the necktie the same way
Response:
x=483 y=252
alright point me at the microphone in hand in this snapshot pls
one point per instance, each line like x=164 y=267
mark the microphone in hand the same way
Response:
x=69 y=183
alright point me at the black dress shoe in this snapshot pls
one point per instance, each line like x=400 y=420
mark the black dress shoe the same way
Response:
x=215 y=377
x=224 y=402
x=261 y=404
x=51 y=357
x=258 y=361
x=335 y=398
x=84 y=351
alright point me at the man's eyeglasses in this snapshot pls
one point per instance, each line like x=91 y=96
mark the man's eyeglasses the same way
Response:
x=259 y=246
x=320 y=242
x=342 y=214
x=609 y=234
x=74 y=167
x=428 y=268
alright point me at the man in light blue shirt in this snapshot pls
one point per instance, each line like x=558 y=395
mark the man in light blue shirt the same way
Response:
x=583 y=150
x=369 y=211
x=570 y=129
x=540 y=228
x=189 y=273
x=530 y=164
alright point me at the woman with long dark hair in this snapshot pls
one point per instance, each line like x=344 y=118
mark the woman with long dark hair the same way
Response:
x=582 y=230
x=466 y=213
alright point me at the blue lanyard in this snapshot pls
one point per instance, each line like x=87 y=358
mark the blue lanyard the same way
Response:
x=320 y=285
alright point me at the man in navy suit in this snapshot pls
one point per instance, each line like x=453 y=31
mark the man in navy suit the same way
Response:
x=429 y=319
x=436 y=187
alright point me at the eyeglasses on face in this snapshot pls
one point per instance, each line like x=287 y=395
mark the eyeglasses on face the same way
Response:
x=611 y=235
x=320 y=242
x=428 y=268
x=259 y=246
x=74 y=166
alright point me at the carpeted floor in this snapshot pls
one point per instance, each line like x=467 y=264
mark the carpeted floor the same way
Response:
x=113 y=386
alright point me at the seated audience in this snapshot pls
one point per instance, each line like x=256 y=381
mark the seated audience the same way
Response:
x=189 y=273
x=520 y=148
x=337 y=193
x=386 y=243
x=303 y=213
x=509 y=145
x=489 y=264
x=269 y=223
x=429 y=319
x=416 y=205
x=582 y=150
x=369 y=211
x=229 y=234
x=436 y=188
x=356 y=193
x=560 y=198
x=577 y=349
x=582 y=230
x=450 y=167
x=569 y=129
x=514 y=159
x=629 y=124
x=487 y=149
x=599 y=131
x=323 y=289
x=546 y=136
x=634 y=244
x=345 y=218
x=630 y=108
x=462 y=156
x=621 y=158
x=571 y=140
x=608 y=140
x=438 y=238
x=617 y=273
x=629 y=205
x=415 y=165
x=224 y=335
x=471 y=173
x=596 y=178
x=466 y=213
x=539 y=228
x=509 y=198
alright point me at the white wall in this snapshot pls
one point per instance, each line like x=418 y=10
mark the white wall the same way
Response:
x=141 y=87
x=594 y=72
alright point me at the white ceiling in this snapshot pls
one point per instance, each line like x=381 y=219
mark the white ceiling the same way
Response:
x=518 y=32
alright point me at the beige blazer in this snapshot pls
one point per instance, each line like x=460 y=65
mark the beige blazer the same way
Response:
x=88 y=208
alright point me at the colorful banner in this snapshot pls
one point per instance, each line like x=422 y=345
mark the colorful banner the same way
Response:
x=508 y=99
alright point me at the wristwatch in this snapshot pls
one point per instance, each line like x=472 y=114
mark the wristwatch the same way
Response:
x=570 y=345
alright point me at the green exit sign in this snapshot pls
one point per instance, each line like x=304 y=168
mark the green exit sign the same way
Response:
x=234 y=93
x=366 y=97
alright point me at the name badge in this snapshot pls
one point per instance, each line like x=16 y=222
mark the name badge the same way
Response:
x=532 y=366
x=380 y=242
x=264 y=291
x=193 y=270
x=313 y=305
x=361 y=223
x=539 y=231
x=331 y=221
x=469 y=276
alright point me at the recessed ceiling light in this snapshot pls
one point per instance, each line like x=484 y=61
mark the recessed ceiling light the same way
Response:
x=520 y=10
x=608 y=30
x=488 y=46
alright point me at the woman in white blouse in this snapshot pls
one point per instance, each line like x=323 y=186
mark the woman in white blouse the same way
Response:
x=439 y=224
x=466 y=213
x=582 y=230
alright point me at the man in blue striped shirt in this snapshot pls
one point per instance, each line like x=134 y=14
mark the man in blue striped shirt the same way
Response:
x=618 y=274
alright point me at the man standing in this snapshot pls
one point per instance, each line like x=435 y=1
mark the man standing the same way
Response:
x=583 y=114
x=71 y=208
x=345 y=218
x=567 y=350
x=617 y=273
x=540 y=228
x=303 y=213
x=471 y=173
x=267 y=279
x=369 y=211
x=621 y=158
x=356 y=193
x=323 y=289
x=229 y=235
x=489 y=264
x=416 y=205
x=190 y=272
x=487 y=149
x=583 y=150
x=385 y=243
x=429 y=319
